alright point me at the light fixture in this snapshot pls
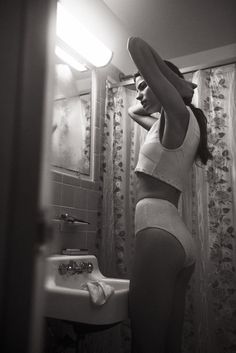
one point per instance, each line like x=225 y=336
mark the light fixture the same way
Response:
x=67 y=58
x=80 y=40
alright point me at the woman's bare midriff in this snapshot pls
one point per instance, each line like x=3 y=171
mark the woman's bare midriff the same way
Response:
x=150 y=187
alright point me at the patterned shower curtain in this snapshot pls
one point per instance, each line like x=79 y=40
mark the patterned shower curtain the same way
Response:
x=208 y=207
x=120 y=147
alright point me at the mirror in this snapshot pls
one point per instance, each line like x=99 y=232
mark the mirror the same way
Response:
x=72 y=121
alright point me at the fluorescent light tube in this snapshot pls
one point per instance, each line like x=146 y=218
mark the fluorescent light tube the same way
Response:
x=70 y=31
x=68 y=59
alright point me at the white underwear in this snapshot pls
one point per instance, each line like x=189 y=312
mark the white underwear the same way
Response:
x=157 y=213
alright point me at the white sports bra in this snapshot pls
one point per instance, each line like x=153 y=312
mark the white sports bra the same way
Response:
x=169 y=165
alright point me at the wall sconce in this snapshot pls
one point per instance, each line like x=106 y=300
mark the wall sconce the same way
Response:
x=73 y=39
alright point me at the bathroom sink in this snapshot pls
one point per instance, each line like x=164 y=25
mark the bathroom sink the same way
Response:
x=67 y=300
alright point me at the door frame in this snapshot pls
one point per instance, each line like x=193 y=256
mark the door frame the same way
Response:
x=26 y=71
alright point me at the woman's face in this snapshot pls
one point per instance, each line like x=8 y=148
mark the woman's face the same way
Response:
x=147 y=98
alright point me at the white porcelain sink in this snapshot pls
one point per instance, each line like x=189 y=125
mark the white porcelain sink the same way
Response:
x=66 y=300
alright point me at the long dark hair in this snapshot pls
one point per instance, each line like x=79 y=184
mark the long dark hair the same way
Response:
x=203 y=153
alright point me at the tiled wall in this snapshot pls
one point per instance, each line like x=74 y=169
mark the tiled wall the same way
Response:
x=79 y=197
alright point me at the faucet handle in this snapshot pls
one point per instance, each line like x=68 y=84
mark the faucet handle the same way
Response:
x=71 y=267
x=62 y=269
x=89 y=267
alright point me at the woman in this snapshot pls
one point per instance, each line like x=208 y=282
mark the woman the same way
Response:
x=165 y=252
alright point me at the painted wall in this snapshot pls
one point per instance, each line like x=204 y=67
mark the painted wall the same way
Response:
x=207 y=57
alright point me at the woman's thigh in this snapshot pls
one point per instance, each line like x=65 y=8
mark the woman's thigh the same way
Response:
x=159 y=258
x=174 y=338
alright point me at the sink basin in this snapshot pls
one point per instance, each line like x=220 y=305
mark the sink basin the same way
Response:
x=66 y=300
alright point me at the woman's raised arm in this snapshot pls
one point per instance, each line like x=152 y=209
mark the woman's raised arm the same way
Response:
x=168 y=87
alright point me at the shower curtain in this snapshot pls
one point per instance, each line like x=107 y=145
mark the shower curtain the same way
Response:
x=209 y=209
x=120 y=147
x=207 y=206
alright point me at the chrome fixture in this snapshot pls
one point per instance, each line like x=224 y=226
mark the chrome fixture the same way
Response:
x=73 y=268
x=70 y=219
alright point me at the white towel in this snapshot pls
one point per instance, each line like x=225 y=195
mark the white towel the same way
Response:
x=99 y=291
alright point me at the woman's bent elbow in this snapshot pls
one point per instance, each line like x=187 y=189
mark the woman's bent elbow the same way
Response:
x=132 y=42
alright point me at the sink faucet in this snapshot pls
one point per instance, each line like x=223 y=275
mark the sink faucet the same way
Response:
x=73 y=267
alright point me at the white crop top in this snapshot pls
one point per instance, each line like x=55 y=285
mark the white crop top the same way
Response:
x=169 y=165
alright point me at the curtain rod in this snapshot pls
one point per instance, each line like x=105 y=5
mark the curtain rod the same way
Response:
x=127 y=80
x=124 y=82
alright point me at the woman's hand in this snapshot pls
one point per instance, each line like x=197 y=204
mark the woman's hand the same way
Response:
x=138 y=109
x=141 y=116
